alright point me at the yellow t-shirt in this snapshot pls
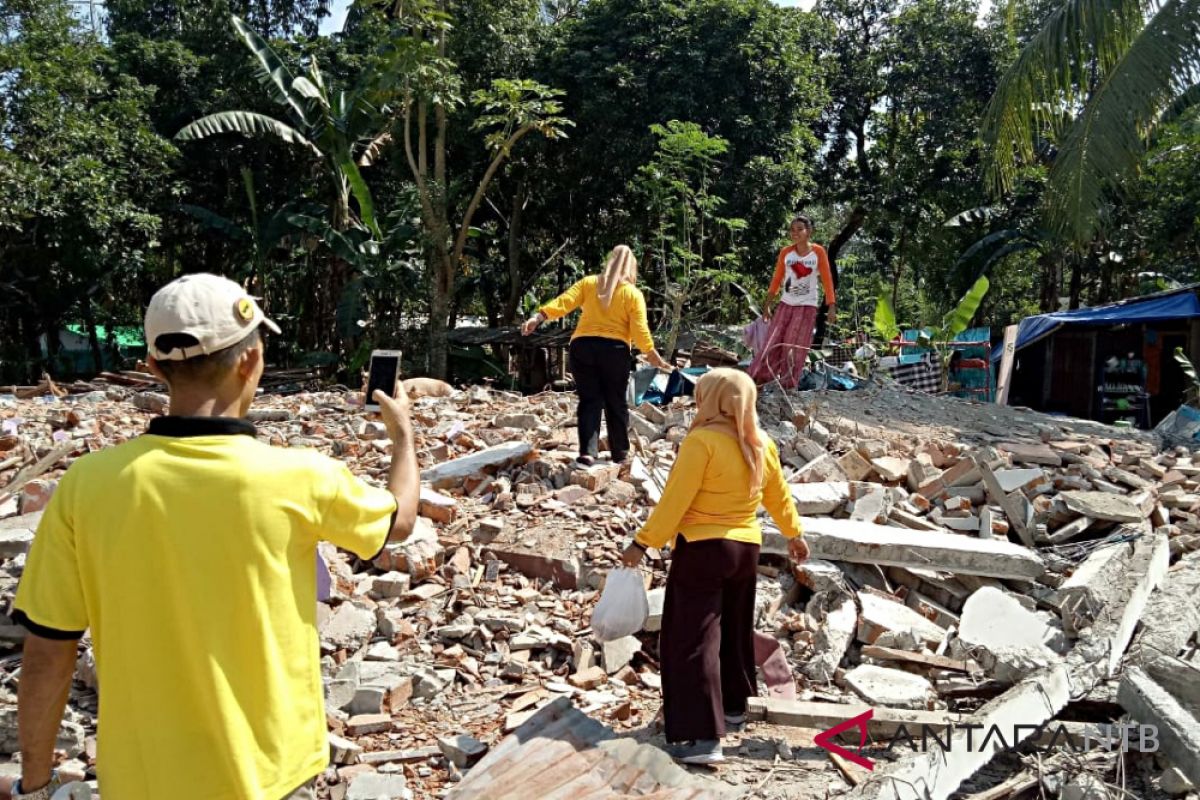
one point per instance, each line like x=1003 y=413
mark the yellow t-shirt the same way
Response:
x=708 y=495
x=623 y=320
x=192 y=558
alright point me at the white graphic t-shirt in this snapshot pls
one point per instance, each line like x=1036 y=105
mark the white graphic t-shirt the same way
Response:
x=800 y=279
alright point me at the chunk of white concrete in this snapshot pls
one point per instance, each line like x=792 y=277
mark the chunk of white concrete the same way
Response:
x=820 y=498
x=866 y=543
x=1009 y=640
x=1012 y=479
x=880 y=615
x=881 y=686
x=1103 y=505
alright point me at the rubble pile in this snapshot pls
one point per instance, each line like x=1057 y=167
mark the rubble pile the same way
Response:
x=969 y=564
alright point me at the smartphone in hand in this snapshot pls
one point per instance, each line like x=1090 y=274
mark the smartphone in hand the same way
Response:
x=385 y=370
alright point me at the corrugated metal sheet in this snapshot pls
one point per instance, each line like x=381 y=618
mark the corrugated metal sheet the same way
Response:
x=562 y=754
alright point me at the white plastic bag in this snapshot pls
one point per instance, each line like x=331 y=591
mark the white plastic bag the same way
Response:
x=623 y=606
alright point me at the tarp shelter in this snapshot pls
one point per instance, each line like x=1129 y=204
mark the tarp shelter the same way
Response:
x=1180 y=305
x=1109 y=363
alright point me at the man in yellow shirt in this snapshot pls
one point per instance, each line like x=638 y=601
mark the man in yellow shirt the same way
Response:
x=189 y=552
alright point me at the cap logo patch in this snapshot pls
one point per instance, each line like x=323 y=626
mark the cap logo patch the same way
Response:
x=245 y=309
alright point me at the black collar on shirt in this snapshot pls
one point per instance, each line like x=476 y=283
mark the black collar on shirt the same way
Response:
x=200 y=426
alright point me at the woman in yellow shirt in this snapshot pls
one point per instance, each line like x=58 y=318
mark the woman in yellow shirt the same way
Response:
x=727 y=467
x=614 y=314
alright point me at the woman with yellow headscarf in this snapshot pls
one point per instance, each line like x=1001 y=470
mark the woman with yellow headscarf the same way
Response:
x=614 y=315
x=727 y=467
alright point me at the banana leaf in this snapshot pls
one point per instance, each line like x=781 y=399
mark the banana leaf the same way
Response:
x=959 y=319
x=244 y=122
x=885 y=317
x=274 y=74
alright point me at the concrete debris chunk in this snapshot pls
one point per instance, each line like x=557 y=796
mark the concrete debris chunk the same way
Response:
x=1102 y=505
x=880 y=615
x=451 y=473
x=820 y=470
x=1008 y=640
x=820 y=498
x=462 y=750
x=865 y=543
x=1178 y=732
x=891 y=469
x=16 y=534
x=378 y=786
x=883 y=686
x=854 y=466
x=349 y=627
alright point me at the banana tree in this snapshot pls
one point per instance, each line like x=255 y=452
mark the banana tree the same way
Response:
x=338 y=129
x=262 y=234
x=941 y=338
x=1192 y=393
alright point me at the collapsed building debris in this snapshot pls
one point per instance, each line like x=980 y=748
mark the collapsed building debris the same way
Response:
x=970 y=565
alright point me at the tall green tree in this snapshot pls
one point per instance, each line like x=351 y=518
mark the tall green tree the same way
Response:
x=83 y=181
x=337 y=129
x=743 y=70
x=908 y=79
x=429 y=99
x=690 y=238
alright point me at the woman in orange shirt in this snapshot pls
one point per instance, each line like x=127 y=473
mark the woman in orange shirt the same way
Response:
x=798 y=268
x=614 y=314
x=727 y=467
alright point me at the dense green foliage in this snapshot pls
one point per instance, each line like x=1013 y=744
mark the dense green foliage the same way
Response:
x=439 y=160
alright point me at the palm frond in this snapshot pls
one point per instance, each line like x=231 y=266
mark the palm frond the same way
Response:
x=884 y=321
x=1051 y=78
x=245 y=122
x=959 y=318
x=1108 y=140
x=274 y=75
x=1181 y=105
x=988 y=243
x=972 y=216
x=1004 y=252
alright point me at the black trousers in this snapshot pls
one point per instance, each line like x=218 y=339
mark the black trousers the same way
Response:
x=707 y=637
x=601 y=370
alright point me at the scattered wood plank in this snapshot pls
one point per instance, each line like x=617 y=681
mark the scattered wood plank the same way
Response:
x=1018 y=783
x=921 y=659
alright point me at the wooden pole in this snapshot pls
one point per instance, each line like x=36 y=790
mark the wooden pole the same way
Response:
x=1004 y=382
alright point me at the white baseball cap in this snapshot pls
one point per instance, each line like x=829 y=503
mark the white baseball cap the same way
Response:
x=214 y=310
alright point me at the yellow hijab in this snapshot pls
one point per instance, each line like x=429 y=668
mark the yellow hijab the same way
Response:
x=725 y=401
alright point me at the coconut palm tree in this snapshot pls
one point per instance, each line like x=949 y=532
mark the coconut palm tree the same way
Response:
x=1096 y=80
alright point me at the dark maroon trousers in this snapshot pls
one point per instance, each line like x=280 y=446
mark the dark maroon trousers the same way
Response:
x=707 y=638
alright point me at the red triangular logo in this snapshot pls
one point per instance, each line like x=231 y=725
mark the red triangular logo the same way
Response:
x=825 y=739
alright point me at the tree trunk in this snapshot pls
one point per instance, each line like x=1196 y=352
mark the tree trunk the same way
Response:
x=676 y=322
x=441 y=296
x=513 y=305
x=1051 y=278
x=1076 y=282
x=89 y=320
x=899 y=270
x=853 y=225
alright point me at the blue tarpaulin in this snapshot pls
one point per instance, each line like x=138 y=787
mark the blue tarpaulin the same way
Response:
x=1180 y=305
